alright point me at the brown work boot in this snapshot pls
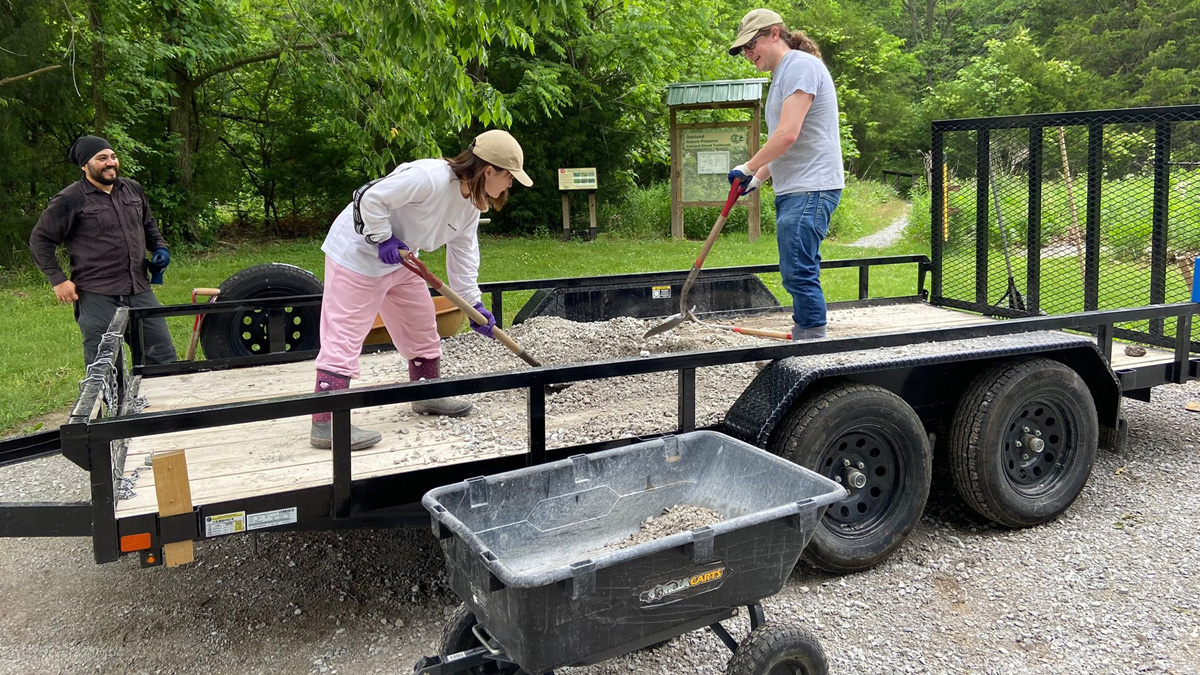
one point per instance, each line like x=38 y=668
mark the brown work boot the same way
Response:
x=321 y=435
x=427 y=369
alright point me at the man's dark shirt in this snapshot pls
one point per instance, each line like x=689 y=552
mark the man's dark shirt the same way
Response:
x=107 y=237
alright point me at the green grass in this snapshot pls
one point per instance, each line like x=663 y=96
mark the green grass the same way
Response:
x=646 y=213
x=1122 y=284
x=41 y=346
x=1126 y=206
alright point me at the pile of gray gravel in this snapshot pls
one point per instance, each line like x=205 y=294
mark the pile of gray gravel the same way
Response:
x=672 y=520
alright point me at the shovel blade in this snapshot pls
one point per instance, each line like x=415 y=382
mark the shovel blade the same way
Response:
x=670 y=324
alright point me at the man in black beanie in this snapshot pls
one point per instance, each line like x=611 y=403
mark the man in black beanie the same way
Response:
x=105 y=223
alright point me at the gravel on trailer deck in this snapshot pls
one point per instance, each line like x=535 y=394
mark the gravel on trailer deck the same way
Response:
x=1112 y=587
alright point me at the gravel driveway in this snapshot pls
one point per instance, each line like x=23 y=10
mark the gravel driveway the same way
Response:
x=1111 y=587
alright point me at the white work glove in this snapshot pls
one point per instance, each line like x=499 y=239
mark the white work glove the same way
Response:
x=741 y=173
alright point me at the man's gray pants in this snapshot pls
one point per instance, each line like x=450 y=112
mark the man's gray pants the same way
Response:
x=93 y=313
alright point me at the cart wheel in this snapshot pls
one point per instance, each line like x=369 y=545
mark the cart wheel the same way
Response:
x=871 y=441
x=1023 y=441
x=247 y=333
x=778 y=649
x=457 y=637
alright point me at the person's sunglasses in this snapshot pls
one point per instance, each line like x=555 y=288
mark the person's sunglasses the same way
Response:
x=749 y=46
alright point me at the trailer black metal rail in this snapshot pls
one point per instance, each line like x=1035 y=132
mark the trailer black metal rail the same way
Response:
x=95 y=442
x=274 y=307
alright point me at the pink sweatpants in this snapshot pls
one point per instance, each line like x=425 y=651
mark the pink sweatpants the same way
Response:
x=348 y=311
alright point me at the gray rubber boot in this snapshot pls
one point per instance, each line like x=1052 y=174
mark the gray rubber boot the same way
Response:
x=449 y=406
x=360 y=439
x=814 y=333
x=321 y=435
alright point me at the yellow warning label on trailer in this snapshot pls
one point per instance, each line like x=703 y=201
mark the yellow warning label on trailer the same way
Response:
x=660 y=292
x=225 y=523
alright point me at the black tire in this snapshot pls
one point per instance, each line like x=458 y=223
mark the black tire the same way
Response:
x=246 y=333
x=867 y=424
x=1031 y=483
x=457 y=637
x=778 y=649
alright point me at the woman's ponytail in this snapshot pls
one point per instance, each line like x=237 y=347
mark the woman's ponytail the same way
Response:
x=798 y=40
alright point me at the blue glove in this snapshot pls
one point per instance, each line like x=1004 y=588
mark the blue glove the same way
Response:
x=485 y=331
x=741 y=174
x=161 y=258
x=389 y=251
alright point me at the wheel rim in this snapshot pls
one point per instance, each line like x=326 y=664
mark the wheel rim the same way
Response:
x=249 y=332
x=1039 y=446
x=874 y=455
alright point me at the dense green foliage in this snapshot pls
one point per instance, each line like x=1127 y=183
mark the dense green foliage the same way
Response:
x=264 y=115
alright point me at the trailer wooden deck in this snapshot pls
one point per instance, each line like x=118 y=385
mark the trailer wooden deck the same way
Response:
x=247 y=460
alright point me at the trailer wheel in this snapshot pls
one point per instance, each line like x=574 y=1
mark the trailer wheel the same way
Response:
x=1023 y=441
x=778 y=649
x=871 y=441
x=247 y=333
x=457 y=637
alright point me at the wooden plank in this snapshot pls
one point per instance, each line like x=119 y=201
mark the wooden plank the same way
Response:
x=174 y=497
x=566 y=213
x=273 y=479
x=676 y=181
x=1153 y=357
x=754 y=217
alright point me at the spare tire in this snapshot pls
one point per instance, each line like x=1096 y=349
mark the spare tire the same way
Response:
x=247 y=333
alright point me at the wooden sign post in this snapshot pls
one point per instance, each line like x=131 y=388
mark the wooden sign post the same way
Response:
x=578 y=179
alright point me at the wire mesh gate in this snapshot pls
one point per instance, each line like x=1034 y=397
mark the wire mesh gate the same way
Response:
x=1068 y=212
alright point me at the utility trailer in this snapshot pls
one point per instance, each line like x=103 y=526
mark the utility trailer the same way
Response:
x=1006 y=400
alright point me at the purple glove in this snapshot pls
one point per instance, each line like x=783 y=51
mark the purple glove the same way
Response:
x=389 y=251
x=485 y=331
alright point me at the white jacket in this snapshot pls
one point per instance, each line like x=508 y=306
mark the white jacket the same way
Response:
x=422 y=205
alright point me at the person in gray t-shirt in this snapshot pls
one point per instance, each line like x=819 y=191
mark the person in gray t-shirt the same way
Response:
x=802 y=155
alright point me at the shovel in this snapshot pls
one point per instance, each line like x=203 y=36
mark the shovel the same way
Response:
x=211 y=294
x=417 y=267
x=735 y=191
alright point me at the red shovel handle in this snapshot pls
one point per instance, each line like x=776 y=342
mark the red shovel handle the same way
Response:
x=735 y=191
x=418 y=268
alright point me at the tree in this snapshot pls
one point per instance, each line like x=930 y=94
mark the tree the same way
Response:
x=1146 y=50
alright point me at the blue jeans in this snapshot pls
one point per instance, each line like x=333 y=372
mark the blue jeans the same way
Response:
x=801 y=223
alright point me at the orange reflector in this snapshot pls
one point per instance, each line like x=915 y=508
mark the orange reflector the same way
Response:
x=150 y=559
x=135 y=542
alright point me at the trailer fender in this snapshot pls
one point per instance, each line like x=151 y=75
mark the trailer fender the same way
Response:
x=929 y=376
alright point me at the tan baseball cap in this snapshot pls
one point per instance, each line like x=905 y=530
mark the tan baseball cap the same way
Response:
x=754 y=21
x=499 y=148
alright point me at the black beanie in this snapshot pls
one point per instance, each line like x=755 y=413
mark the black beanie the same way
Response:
x=84 y=149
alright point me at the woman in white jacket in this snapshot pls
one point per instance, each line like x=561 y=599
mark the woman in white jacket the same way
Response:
x=420 y=206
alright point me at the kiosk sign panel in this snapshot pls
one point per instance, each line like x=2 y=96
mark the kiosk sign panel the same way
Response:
x=577 y=179
x=708 y=153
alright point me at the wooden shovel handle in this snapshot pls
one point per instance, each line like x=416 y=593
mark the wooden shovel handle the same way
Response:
x=418 y=268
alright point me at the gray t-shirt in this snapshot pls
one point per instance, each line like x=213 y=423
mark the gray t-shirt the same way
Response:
x=814 y=162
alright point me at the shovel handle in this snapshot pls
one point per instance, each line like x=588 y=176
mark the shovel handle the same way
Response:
x=735 y=191
x=757 y=332
x=417 y=267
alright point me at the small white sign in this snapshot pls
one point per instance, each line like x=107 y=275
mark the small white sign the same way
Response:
x=577 y=179
x=257 y=521
x=226 y=523
x=712 y=161
x=660 y=292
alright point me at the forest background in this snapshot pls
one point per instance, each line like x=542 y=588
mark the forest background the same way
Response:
x=258 y=119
